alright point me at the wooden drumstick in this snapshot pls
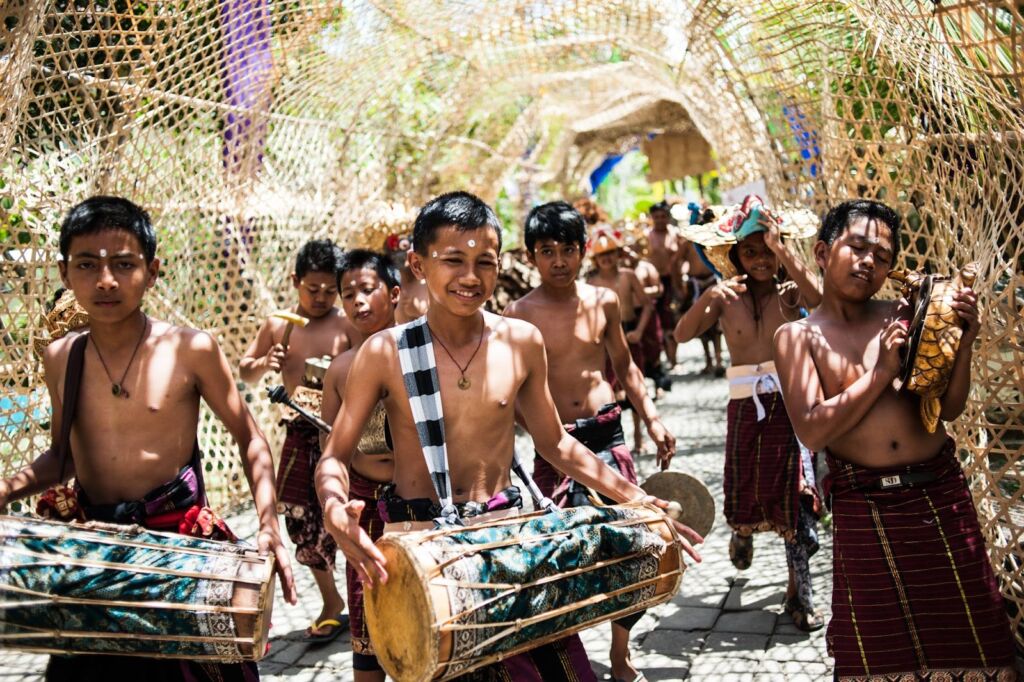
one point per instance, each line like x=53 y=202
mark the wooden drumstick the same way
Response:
x=292 y=319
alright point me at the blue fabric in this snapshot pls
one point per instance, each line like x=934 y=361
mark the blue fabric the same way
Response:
x=52 y=572
x=546 y=545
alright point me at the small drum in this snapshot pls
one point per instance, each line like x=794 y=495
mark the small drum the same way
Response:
x=458 y=599
x=100 y=588
x=316 y=370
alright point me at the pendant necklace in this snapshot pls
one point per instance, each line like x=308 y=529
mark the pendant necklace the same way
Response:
x=464 y=383
x=117 y=387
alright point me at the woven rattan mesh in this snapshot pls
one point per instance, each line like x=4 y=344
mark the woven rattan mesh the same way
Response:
x=248 y=126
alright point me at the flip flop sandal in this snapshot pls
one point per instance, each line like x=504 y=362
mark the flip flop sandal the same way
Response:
x=639 y=678
x=805 y=619
x=337 y=626
x=741 y=551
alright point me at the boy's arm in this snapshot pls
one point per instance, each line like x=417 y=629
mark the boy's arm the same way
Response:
x=816 y=421
x=807 y=282
x=565 y=452
x=954 y=400
x=639 y=294
x=636 y=388
x=334 y=388
x=44 y=472
x=261 y=356
x=363 y=388
x=703 y=314
x=217 y=387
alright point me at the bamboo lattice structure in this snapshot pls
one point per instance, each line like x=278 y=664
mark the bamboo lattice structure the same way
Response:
x=247 y=127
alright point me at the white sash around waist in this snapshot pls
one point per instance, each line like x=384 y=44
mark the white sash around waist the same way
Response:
x=748 y=381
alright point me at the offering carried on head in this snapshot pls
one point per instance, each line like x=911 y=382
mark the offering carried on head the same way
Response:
x=933 y=335
x=733 y=224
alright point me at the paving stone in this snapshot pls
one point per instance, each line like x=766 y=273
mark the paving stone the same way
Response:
x=671 y=643
x=793 y=670
x=792 y=648
x=752 y=622
x=687 y=618
x=740 y=645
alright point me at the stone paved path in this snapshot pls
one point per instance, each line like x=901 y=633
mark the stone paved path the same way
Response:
x=724 y=625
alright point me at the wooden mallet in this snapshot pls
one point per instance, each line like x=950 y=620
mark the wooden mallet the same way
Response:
x=292 y=319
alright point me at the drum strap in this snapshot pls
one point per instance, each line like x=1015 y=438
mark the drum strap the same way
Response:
x=72 y=382
x=419 y=372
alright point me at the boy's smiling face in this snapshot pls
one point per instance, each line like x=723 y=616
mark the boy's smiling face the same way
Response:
x=460 y=268
x=108 y=273
x=856 y=264
x=557 y=262
x=757 y=260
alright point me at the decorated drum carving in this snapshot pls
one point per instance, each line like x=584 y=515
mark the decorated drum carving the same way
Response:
x=99 y=588
x=934 y=335
x=461 y=598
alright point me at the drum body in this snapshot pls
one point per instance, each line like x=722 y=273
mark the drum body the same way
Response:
x=459 y=599
x=106 y=589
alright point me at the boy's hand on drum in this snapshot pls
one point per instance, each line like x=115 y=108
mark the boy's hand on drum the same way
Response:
x=687 y=536
x=269 y=541
x=665 y=441
x=965 y=303
x=342 y=521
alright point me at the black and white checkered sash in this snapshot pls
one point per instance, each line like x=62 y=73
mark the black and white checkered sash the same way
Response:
x=419 y=373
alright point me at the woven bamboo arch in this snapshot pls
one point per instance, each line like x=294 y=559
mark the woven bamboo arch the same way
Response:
x=249 y=126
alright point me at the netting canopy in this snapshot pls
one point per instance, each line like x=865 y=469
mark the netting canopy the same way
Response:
x=249 y=126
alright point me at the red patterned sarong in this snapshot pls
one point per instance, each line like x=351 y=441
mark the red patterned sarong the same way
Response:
x=361 y=488
x=763 y=476
x=914 y=596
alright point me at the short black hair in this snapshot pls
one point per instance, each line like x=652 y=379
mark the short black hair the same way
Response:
x=660 y=206
x=840 y=217
x=461 y=210
x=360 y=259
x=100 y=213
x=317 y=255
x=555 y=220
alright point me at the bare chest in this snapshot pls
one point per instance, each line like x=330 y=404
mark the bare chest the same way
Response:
x=842 y=358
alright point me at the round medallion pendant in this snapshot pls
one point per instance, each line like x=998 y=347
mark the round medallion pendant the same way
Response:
x=464 y=383
x=115 y=389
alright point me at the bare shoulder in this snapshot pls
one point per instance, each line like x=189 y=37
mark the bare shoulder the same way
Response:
x=521 y=307
x=795 y=331
x=596 y=295
x=337 y=371
x=55 y=355
x=515 y=330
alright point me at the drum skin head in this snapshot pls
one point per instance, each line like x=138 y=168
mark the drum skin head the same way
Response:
x=399 y=616
x=698 y=507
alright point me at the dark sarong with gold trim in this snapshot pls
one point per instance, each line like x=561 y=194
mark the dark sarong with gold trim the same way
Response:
x=914 y=596
x=763 y=476
x=370 y=492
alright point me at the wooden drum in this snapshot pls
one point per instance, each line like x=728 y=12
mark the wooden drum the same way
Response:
x=462 y=598
x=99 y=588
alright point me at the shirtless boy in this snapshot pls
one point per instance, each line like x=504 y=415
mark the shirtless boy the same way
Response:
x=913 y=594
x=369 y=294
x=581 y=326
x=413 y=303
x=486 y=366
x=665 y=255
x=768 y=477
x=607 y=252
x=133 y=434
x=653 y=337
x=327 y=333
x=700 y=278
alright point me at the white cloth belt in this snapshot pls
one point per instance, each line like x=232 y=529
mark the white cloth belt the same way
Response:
x=748 y=381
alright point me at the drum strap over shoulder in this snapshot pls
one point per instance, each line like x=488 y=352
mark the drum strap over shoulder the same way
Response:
x=72 y=383
x=419 y=372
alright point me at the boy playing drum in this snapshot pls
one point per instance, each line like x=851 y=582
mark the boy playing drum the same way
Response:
x=133 y=439
x=486 y=366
